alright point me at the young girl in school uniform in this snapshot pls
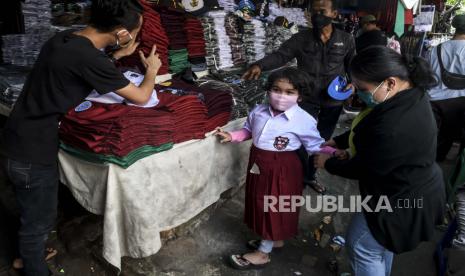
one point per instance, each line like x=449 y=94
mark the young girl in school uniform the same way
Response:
x=278 y=130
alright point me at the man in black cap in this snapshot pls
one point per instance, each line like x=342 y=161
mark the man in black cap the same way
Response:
x=371 y=34
x=324 y=52
x=449 y=102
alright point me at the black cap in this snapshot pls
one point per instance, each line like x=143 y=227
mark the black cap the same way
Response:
x=283 y=22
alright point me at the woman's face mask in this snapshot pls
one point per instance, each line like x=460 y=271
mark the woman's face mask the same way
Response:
x=368 y=97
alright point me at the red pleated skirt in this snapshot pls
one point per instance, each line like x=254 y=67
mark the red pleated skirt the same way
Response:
x=280 y=174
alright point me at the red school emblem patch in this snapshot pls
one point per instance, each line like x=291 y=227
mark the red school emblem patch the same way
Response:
x=280 y=143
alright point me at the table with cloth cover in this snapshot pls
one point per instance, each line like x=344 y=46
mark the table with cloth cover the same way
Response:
x=155 y=194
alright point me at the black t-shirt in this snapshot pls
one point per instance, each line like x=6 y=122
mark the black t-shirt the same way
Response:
x=68 y=68
x=371 y=38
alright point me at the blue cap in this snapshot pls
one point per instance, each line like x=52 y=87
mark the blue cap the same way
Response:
x=336 y=89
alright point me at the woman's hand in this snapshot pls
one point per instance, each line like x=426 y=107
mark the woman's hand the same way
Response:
x=329 y=143
x=342 y=154
x=225 y=137
x=152 y=61
x=320 y=160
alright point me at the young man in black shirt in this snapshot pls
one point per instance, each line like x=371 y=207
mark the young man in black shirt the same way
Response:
x=324 y=52
x=69 y=67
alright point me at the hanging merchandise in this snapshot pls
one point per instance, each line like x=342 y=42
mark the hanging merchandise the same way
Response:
x=262 y=8
x=394 y=44
x=223 y=50
x=425 y=20
x=295 y=15
x=23 y=49
x=259 y=39
x=233 y=30
x=211 y=42
x=387 y=18
x=12 y=79
x=254 y=40
x=228 y=5
x=399 y=27
x=412 y=43
x=277 y=33
x=409 y=4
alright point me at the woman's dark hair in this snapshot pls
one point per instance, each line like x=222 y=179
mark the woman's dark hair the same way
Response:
x=298 y=78
x=107 y=15
x=377 y=63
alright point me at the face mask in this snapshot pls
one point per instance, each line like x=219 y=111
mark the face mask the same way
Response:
x=282 y=102
x=320 y=21
x=118 y=43
x=368 y=98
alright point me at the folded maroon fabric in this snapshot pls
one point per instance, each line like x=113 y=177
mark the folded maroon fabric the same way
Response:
x=151 y=33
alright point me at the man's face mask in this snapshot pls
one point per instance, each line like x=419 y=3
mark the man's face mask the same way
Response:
x=319 y=21
x=125 y=44
x=368 y=97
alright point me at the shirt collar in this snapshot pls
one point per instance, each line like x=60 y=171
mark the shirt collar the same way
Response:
x=288 y=114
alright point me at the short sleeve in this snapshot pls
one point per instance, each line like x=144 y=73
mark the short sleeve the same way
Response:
x=100 y=73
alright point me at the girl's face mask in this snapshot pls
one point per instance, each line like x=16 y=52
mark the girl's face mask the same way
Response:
x=282 y=102
x=368 y=97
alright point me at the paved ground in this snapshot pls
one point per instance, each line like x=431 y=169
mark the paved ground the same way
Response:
x=202 y=248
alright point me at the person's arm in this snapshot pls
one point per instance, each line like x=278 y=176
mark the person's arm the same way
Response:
x=245 y=133
x=379 y=155
x=285 y=53
x=342 y=141
x=310 y=137
x=348 y=168
x=141 y=95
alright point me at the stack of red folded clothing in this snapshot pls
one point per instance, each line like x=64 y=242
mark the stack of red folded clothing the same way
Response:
x=195 y=38
x=116 y=129
x=151 y=33
x=218 y=103
x=189 y=112
x=173 y=22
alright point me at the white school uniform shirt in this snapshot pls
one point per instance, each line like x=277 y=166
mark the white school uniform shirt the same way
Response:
x=287 y=131
x=114 y=98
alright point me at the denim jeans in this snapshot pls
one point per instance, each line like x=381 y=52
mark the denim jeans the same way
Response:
x=367 y=256
x=36 y=189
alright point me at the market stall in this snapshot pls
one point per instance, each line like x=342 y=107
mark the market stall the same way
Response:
x=148 y=169
x=156 y=193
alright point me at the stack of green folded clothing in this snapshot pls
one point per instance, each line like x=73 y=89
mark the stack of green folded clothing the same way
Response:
x=178 y=60
x=123 y=162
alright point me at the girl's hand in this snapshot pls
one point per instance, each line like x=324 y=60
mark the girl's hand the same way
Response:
x=225 y=137
x=320 y=159
x=329 y=143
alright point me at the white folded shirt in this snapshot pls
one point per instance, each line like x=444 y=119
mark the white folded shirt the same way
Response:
x=113 y=98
